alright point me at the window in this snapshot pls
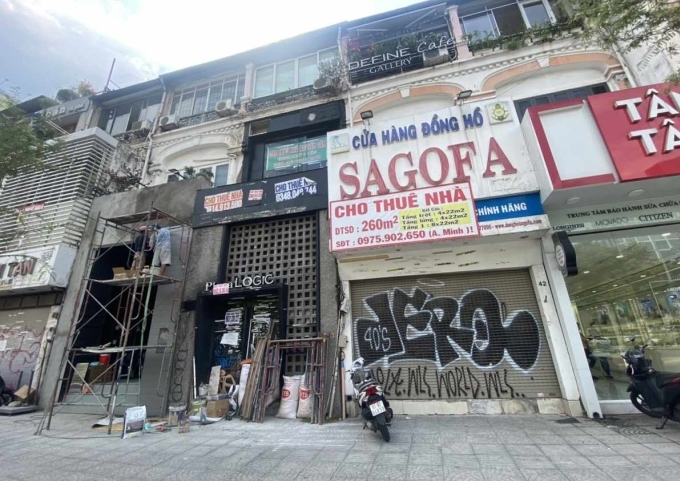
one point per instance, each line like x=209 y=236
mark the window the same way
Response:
x=535 y=13
x=295 y=155
x=173 y=178
x=221 y=175
x=509 y=19
x=480 y=26
x=290 y=74
x=524 y=104
x=203 y=98
x=119 y=119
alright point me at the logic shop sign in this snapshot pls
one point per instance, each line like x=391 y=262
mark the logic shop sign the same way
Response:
x=641 y=129
x=415 y=179
x=285 y=194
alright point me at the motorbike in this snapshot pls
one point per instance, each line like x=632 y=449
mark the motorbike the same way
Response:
x=372 y=403
x=6 y=395
x=653 y=393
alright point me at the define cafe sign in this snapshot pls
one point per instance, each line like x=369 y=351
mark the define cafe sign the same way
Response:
x=640 y=128
x=414 y=179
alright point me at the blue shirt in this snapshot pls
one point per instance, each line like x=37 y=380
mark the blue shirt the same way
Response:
x=163 y=238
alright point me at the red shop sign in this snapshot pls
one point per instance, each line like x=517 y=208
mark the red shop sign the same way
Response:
x=641 y=129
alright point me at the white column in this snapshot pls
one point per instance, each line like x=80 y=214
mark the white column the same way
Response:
x=566 y=321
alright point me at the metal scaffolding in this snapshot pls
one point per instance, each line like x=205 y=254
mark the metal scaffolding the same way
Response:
x=131 y=310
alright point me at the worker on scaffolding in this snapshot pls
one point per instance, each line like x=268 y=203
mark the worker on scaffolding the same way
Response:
x=141 y=248
x=160 y=243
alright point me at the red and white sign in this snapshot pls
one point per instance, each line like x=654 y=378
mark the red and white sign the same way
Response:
x=219 y=289
x=640 y=128
x=422 y=215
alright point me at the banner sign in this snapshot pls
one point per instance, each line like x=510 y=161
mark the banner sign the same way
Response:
x=421 y=215
x=289 y=156
x=512 y=207
x=616 y=216
x=285 y=194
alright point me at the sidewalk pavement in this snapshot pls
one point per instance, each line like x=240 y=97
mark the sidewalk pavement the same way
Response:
x=470 y=448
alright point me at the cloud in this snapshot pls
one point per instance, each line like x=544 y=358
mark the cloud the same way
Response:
x=148 y=37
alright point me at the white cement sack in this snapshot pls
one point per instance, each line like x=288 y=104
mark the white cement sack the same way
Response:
x=306 y=401
x=243 y=380
x=289 y=397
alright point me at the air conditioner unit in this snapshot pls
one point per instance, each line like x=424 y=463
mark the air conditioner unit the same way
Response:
x=435 y=57
x=169 y=122
x=321 y=85
x=225 y=107
x=141 y=125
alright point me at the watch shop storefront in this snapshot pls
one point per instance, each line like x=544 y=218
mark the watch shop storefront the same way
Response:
x=612 y=162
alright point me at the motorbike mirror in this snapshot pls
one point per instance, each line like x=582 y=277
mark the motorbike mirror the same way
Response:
x=645 y=346
x=631 y=339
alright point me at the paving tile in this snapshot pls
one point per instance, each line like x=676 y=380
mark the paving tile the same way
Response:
x=534 y=474
x=604 y=461
x=457 y=449
x=462 y=460
x=395 y=448
x=664 y=473
x=571 y=461
x=495 y=460
x=595 y=450
x=634 y=449
x=387 y=472
x=558 y=450
x=646 y=460
x=425 y=459
x=502 y=473
x=424 y=473
x=664 y=448
x=584 y=474
x=524 y=450
x=543 y=439
x=581 y=440
x=487 y=449
x=627 y=474
x=462 y=474
x=392 y=459
x=361 y=457
x=647 y=438
x=533 y=462
x=352 y=471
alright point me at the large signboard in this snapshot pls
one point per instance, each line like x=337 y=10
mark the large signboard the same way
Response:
x=616 y=216
x=639 y=129
x=286 y=194
x=292 y=155
x=36 y=268
x=477 y=148
x=421 y=215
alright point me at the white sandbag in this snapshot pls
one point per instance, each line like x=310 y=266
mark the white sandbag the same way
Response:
x=289 y=397
x=306 y=401
x=243 y=380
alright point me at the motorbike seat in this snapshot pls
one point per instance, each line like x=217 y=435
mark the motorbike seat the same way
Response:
x=664 y=379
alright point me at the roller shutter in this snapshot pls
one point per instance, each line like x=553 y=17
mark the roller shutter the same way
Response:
x=454 y=336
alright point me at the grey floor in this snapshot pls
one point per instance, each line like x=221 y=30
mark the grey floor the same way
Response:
x=467 y=448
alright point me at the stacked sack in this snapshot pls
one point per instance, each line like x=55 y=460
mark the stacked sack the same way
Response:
x=296 y=399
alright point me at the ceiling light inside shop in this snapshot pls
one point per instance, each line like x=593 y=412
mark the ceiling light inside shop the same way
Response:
x=586 y=272
x=636 y=193
x=616 y=285
x=573 y=200
x=594 y=292
x=643 y=275
x=620 y=256
x=665 y=234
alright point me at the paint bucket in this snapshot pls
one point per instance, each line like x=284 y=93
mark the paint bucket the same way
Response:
x=196 y=407
x=104 y=359
x=176 y=413
x=155 y=270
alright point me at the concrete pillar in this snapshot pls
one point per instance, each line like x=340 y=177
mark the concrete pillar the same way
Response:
x=567 y=323
x=463 y=51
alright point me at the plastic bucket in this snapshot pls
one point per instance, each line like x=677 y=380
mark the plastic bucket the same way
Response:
x=176 y=414
x=104 y=359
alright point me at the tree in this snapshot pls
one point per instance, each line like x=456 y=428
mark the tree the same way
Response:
x=626 y=25
x=84 y=88
x=66 y=95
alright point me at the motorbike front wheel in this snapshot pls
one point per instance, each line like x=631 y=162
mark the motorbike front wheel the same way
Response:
x=641 y=405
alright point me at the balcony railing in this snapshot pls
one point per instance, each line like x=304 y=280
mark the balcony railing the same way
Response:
x=292 y=95
x=205 y=117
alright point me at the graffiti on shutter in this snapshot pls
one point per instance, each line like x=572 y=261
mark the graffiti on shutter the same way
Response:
x=424 y=346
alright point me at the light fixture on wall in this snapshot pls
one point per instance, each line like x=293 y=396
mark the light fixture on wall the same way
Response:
x=366 y=115
x=462 y=96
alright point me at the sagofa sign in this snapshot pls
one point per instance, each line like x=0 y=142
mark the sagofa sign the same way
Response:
x=639 y=128
x=436 y=151
x=36 y=268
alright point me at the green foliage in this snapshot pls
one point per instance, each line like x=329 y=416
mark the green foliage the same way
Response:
x=629 y=24
x=66 y=95
x=191 y=172
x=333 y=70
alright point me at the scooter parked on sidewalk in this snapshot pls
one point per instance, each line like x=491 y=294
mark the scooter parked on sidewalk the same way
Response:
x=652 y=393
x=369 y=395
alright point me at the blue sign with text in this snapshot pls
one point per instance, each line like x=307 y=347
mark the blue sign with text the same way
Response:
x=500 y=208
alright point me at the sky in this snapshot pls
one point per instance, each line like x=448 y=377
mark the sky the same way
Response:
x=46 y=45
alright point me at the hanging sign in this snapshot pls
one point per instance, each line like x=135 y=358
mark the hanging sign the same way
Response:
x=282 y=157
x=421 y=215
x=565 y=254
